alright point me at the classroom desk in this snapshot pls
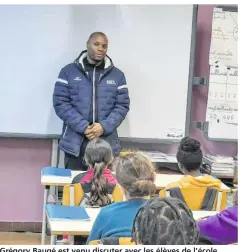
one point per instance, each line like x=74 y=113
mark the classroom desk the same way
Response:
x=162 y=180
x=73 y=227
x=48 y=181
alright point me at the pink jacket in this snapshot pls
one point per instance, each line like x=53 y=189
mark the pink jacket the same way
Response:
x=106 y=172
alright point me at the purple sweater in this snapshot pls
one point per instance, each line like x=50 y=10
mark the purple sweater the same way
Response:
x=221 y=229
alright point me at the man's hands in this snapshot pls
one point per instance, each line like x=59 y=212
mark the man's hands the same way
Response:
x=94 y=130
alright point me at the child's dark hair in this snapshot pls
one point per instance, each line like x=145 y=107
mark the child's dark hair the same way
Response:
x=98 y=154
x=189 y=154
x=136 y=174
x=165 y=221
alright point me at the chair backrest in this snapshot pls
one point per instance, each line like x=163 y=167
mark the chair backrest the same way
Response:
x=73 y=194
x=94 y=242
x=78 y=177
x=113 y=241
x=203 y=198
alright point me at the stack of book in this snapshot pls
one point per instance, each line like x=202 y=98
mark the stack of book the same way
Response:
x=156 y=156
x=221 y=166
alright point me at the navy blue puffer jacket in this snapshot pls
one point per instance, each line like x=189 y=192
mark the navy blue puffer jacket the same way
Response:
x=75 y=96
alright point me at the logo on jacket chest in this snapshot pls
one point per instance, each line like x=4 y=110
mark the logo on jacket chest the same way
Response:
x=77 y=78
x=110 y=82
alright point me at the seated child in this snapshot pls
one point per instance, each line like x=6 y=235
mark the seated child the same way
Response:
x=222 y=228
x=189 y=157
x=135 y=173
x=98 y=183
x=165 y=221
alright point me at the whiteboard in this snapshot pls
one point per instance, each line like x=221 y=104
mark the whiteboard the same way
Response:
x=224 y=40
x=157 y=70
x=152 y=45
x=36 y=41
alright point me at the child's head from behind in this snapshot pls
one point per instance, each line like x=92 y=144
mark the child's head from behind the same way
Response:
x=98 y=154
x=165 y=221
x=189 y=155
x=136 y=175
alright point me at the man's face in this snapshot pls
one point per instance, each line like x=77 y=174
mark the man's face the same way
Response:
x=97 y=47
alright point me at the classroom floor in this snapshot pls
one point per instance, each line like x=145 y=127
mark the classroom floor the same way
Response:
x=21 y=238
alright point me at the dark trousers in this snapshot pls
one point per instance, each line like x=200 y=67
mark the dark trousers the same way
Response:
x=76 y=163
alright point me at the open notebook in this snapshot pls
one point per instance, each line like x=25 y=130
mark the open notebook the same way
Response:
x=60 y=212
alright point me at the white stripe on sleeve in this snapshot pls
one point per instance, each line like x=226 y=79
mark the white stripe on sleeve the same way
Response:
x=123 y=86
x=62 y=81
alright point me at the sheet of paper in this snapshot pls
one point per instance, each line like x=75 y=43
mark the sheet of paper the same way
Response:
x=222 y=131
x=175 y=133
x=224 y=40
x=222 y=105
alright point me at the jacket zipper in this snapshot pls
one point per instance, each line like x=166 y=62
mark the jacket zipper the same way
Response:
x=94 y=89
x=94 y=95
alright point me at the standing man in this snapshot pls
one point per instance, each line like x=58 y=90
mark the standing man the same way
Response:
x=92 y=99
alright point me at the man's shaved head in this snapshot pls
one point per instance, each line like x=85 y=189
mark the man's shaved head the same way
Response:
x=92 y=35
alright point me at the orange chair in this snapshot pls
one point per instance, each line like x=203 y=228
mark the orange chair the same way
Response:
x=73 y=194
x=208 y=199
x=113 y=241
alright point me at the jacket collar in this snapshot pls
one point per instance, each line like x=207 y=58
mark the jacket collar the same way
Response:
x=83 y=54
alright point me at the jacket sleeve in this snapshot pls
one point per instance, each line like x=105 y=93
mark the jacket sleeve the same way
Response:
x=220 y=228
x=62 y=106
x=119 y=112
